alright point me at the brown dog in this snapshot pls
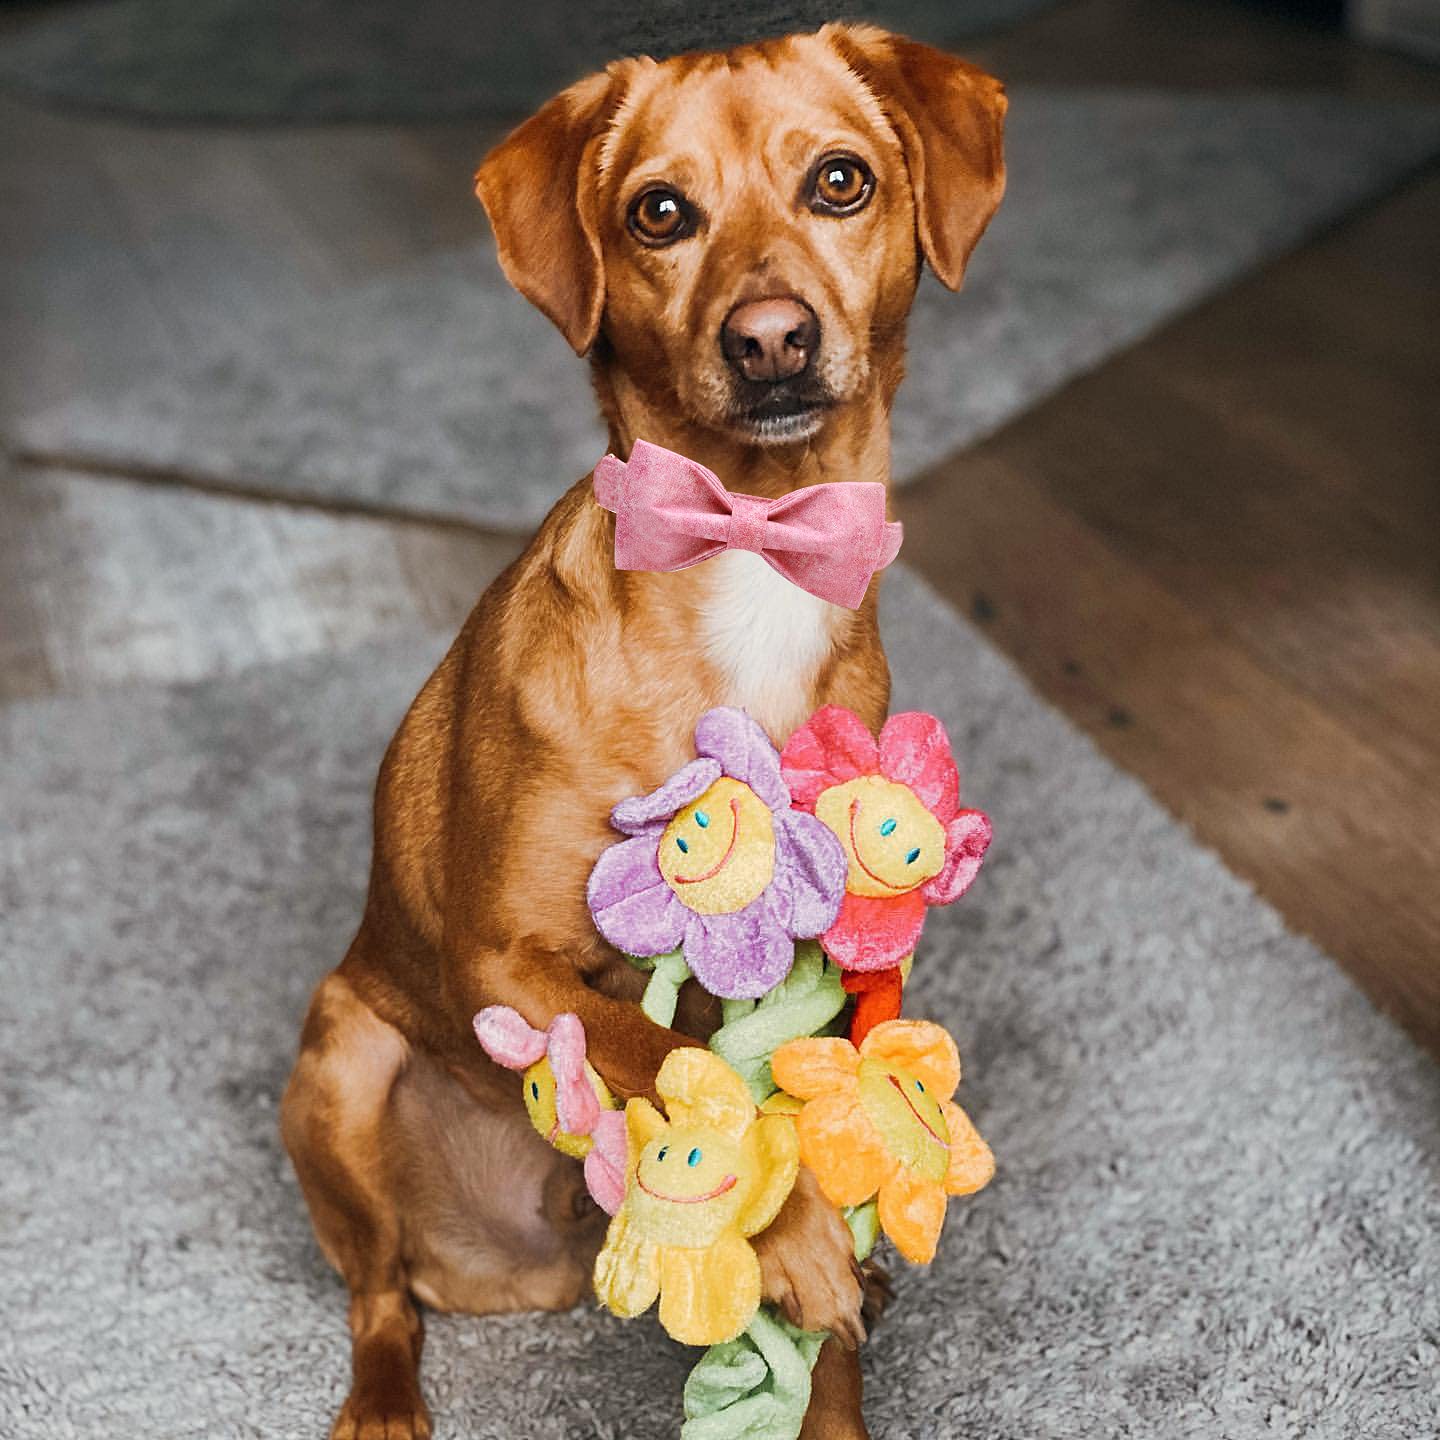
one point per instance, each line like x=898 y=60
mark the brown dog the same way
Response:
x=735 y=239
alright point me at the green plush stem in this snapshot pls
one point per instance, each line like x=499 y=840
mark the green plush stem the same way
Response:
x=662 y=994
x=756 y=1387
x=864 y=1223
x=732 y=1011
x=802 y=1004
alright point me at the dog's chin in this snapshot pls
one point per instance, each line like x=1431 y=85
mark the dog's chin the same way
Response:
x=790 y=428
x=781 y=419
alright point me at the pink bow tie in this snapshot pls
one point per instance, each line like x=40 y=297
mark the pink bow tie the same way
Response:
x=671 y=513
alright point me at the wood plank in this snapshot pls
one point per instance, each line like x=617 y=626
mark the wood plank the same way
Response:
x=1218 y=555
x=1320 y=821
x=1274 y=462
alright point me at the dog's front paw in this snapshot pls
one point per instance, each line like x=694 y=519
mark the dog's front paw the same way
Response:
x=363 y=1418
x=385 y=1401
x=807 y=1265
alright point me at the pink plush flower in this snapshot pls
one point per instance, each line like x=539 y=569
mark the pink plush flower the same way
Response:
x=568 y=1103
x=719 y=865
x=895 y=808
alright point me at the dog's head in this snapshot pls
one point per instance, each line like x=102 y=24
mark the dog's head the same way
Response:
x=742 y=232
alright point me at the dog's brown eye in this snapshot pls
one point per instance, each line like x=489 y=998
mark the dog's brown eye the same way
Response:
x=842 y=185
x=659 y=216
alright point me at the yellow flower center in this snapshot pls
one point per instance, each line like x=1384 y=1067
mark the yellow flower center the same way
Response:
x=908 y=1117
x=544 y=1115
x=718 y=853
x=687 y=1189
x=893 y=843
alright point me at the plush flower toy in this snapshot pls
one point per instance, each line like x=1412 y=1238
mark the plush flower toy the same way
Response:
x=895 y=809
x=880 y=1122
x=719 y=866
x=702 y=1178
x=569 y=1104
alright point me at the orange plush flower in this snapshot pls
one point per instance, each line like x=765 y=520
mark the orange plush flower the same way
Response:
x=880 y=1120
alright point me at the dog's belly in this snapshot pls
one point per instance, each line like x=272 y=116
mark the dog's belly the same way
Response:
x=493 y=1218
x=766 y=637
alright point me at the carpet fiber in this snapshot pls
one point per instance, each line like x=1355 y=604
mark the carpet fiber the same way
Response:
x=440 y=391
x=323 y=60
x=1216 y=1211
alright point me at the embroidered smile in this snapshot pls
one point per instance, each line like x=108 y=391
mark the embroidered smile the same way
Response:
x=719 y=865
x=727 y=1183
x=860 y=859
x=944 y=1144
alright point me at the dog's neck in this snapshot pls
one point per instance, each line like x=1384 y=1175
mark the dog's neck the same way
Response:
x=767 y=641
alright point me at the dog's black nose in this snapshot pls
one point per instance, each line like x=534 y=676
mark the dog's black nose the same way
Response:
x=770 y=339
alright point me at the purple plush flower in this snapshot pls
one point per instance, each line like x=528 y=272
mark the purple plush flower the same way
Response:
x=720 y=864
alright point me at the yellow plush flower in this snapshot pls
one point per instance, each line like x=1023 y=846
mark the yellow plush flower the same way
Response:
x=700 y=1181
x=542 y=1099
x=880 y=1121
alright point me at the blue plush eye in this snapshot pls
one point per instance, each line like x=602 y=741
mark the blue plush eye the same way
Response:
x=534 y=1091
x=887 y=827
x=702 y=819
x=913 y=856
x=664 y=1151
x=693 y=1158
x=684 y=847
x=919 y=1087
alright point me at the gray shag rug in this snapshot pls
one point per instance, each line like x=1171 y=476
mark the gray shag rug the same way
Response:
x=1216 y=1212
x=323 y=60
x=439 y=391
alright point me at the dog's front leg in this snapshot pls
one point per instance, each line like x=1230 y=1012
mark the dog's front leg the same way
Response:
x=835 y=1411
x=808 y=1267
x=624 y=1045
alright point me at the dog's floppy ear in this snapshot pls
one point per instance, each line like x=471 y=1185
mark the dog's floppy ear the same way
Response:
x=538 y=188
x=950 y=117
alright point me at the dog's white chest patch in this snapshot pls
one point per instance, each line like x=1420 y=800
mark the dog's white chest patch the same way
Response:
x=766 y=636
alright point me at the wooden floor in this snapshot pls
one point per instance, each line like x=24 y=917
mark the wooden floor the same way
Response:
x=1217 y=553
x=1220 y=554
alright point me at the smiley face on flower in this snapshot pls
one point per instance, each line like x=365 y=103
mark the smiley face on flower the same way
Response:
x=541 y=1092
x=719 y=849
x=895 y=808
x=719 y=865
x=567 y=1101
x=893 y=844
x=881 y=1121
x=700 y=1182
